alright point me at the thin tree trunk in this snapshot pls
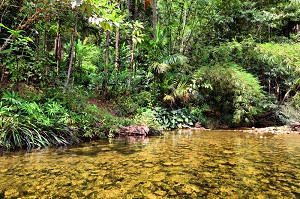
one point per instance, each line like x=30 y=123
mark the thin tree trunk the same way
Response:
x=57 y=47
x=136 y=10
x=2 y=3
x=3 y=73
x=72 y=50
x=104 y=82
x=169 y=8
x=71 y=56
x=183 y=30
x=285 y=96
x=129 y=9
x=117 y=43
x=132 y=58
x=107 y=49
x=117 y=49
x=154 y=18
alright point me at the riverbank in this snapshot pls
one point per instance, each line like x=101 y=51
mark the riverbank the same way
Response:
x=276 y=130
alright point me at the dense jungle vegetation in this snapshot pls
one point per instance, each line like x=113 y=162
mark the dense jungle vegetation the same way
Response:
x=73 y=70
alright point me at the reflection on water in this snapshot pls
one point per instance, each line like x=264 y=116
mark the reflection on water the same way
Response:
x=184 y=164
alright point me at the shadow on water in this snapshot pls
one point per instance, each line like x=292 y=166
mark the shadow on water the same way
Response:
x=123 y=145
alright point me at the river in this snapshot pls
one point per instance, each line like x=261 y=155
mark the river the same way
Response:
x=180 y=164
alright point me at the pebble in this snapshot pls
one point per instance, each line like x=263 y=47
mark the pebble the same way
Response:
x=160 y=193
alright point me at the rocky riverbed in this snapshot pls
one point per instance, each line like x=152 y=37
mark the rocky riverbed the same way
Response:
x=180 y=164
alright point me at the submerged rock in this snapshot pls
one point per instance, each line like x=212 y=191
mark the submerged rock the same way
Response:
x=12 y=193
x=160 y=192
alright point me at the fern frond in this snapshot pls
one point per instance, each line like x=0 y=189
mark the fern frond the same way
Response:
x=160 y=67
x=176 y=59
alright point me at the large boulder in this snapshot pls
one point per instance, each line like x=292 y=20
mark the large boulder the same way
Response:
x=138 y=130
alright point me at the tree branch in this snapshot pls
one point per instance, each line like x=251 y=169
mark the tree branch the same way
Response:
x=285 y=96
x=2 y=3
x=21 y=27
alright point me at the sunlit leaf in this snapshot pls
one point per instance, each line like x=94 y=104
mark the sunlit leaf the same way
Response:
x=89 y=9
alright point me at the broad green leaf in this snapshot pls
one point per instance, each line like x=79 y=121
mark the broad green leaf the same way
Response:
x=8 y=51
x=88 y=9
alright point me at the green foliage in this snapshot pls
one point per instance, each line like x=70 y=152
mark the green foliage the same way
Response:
x=228 y=89
x=203 y=57
x=281 y=66
x=288 y=114
x=290 y=111
x=160 y=118
x=173 y=119
x=127 y=105
x=31 y=124
x=148 y=117
x=97 y=122
x=19 y=134
x=199 y=113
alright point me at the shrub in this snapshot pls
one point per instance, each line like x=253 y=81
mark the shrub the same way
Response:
x=161 y=118
x=148 y=117
x=229 y=90
x=30 y=124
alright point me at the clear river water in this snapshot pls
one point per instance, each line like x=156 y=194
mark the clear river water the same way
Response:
x=180 y=164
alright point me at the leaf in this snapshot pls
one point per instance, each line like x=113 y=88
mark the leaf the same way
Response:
x=83 y=8
x=105 y=25
x=3 y=26
x=179 y=119
x=8 y=51
x=116 y=24
x=89 y=10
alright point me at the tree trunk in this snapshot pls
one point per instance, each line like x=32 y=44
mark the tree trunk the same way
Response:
x=129 y=9
x=136 y=10
x=72 y=50
x=58 y=48
x=104 y=82
x=183 y=30
x=2 y=3
x=107 y=50
x=132 y=58
x=154 y=18
x=117 y=49
x=71 y=56
x=169 y=10
x=117 y=43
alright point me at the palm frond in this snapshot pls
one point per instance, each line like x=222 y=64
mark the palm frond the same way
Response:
x=160 y=67
x=176 y=59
